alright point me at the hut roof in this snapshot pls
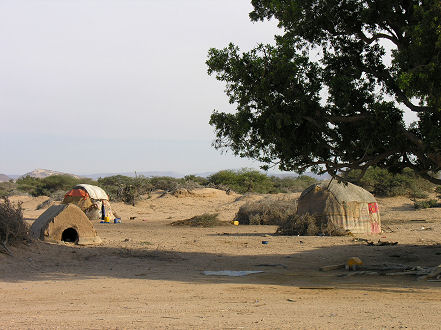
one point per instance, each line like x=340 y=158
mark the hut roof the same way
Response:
x=52 y=224
x=93 y=191
x=343 y=192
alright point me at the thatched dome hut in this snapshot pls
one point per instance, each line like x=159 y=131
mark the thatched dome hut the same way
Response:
x=66 y=223
x=344 y=204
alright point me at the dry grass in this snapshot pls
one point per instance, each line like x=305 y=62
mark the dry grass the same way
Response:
x=12 y=226
x=267 y=211
x=308 y=225
x=204 y=220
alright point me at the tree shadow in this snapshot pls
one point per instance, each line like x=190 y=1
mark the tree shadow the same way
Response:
x=47 y=262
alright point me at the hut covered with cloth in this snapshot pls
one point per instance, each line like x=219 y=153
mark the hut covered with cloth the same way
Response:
x=91 y=199
x=344 y=204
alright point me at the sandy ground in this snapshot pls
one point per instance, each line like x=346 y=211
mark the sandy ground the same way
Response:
x=148 y=274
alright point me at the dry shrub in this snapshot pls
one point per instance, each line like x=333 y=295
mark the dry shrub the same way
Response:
x=12 y=226
x=204 y=220
x=267 y=211
x=308 y=225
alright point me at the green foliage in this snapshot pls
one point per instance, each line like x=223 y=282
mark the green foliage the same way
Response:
x=243 y=181
x=130 y=189
x=292 y=184
x=124 y=188
x=308 y=225
x=196 y=179
x=205 y=220
x=50 y=186
x=267 y=211
x=322 y=97
x=7 y=188
x=381 y=182
x=28 y=184
x=248 y=180
x=425 y=204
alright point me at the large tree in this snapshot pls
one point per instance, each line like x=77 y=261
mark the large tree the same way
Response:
x=329 y=94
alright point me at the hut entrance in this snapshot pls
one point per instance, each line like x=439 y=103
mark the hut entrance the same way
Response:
x=70 y=235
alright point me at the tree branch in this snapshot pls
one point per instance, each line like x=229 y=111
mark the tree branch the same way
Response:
x=377 y=36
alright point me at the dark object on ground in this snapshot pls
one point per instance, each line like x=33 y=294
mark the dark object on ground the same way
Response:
x=204 y=220
x=307 y=225
x=12 y=226
x=331 y=267
x=272 y=265
x=380 y=243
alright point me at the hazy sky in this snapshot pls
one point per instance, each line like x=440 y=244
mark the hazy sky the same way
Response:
x=92 y=86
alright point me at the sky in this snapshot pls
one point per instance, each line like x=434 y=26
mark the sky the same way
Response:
x=95 y=86
x=105 y=86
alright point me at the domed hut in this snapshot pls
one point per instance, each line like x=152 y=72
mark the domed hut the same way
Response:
x=66 y=223
x=91 y=199
x=344 y=204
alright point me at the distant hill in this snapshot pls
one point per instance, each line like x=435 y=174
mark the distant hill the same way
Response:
x=42 y=173
x=4 y=178
x=132 y=174
x=96 y=176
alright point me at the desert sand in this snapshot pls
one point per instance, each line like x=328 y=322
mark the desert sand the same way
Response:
x=149 y=274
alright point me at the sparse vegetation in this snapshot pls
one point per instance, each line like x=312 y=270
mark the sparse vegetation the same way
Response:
x=425 y=204
x=292 y=184
x=381 y=182
x=7 y=189
x=308 y=225
x=243 y=181
x=267 y=211
x=248 y=180
x=130 y=189
x=12 y=226
x=54 y=186
x=205 y=220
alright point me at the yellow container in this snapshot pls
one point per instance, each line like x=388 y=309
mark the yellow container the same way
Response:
x=106 y=219
x=236 y=223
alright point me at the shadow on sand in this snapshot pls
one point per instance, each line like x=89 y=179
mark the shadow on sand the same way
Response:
x=46 y=262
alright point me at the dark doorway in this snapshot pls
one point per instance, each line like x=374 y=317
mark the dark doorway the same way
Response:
x=69 y=235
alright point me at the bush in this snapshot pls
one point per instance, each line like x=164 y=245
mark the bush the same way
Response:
x=12 y=226
x=7 y=189
x=381 y=182
x=124 y=188
x=129 y=190
x=252 y=181
x=51 y=185
x=308 y=225
x=199 y=180
x=267 y=211
x=204 y=220
x=425 y=204
x=242 y=181
x=292 y=184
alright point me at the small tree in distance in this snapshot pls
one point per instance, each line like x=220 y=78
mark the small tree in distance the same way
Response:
x=325 y=97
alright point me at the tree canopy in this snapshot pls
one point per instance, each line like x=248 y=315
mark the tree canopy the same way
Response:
x=328 y=95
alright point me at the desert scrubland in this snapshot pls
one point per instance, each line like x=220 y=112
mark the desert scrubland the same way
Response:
x=149 y=274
